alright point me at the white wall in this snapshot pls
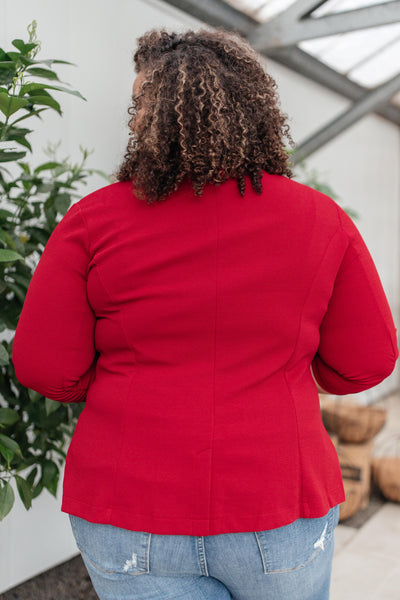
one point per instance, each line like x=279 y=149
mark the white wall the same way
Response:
x=361 y=165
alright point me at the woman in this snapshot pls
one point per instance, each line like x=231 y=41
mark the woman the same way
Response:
x=191 y=305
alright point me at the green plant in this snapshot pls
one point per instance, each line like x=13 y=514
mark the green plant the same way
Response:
x=33 y=430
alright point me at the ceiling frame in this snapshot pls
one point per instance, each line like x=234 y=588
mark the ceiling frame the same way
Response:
x=303 y=63
x=287 y=29
x=264 y=37
x=365 y=105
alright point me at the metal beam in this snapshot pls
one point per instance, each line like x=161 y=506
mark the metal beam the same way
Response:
x=367 y=104
x=284 y=30
x=303 y=63
x=216 y=13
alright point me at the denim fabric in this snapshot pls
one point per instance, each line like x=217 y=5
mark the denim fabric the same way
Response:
x=289 y=563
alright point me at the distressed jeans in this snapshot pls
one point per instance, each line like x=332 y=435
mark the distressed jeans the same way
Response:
x=293 y=562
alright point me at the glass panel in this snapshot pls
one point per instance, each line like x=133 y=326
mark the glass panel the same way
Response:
x=332 y=6
x=272 y=8
x=261 y=10
x=380 y=68
x=368 y=56
x=347 y=51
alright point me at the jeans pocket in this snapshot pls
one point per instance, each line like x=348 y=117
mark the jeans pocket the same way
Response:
x=111 y=549
x=295 y=545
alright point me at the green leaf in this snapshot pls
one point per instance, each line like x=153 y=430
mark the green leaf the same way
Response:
x=38 y=234
x=49 y=471
x=8 y=70
x=19 y=292
x=50 y=476
x=58 y=450
x=24 y=142
x=58 y=62
x=37 y=489
x=9 y=155
x=46 y=167
x=22 y=47
x=16 y=132
x=21 y=279
x=4 y=214
x=6 y=499
x=16 y=57
x=10 y=256
x=7 y=453
x=44 y=188
x=25 y=491
x=32 y=476
x=25 y=167
x=61 y=170
x=4 y=356
x=46 y=101
x=8 y=416
x=62 y=203
x=10 y=104
x=19 y=44
x=39 y=72
x=34 y=396
x=51 y=406
x=43 y=86
x=30 y=114
x=10 y=444
x=101 y=173
x=10 y=241
x=50 y=214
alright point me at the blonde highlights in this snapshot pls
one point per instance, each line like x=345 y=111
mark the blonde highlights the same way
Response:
x=211 y=114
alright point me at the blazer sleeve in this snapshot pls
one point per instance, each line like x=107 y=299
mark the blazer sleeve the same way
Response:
x=53 y=349
x=358 y=347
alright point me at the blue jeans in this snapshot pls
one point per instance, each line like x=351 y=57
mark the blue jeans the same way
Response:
x=293 y=562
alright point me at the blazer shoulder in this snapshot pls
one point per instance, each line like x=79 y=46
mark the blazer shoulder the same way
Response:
x=300 y=197
x=101 y=197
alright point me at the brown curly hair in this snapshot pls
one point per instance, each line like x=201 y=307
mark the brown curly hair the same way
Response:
x=211 y=114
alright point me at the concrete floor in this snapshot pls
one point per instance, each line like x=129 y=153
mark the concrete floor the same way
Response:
x=366 y=565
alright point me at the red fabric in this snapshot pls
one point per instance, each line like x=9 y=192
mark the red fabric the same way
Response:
x=189 y=326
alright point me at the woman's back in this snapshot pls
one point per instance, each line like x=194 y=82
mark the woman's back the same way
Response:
x=202 y=416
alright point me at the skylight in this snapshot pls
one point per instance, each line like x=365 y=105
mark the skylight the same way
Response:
x=367 y=56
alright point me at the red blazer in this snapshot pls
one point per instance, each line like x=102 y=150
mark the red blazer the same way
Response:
x=189 y=327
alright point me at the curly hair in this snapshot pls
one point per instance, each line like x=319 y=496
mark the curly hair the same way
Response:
x=211 y=113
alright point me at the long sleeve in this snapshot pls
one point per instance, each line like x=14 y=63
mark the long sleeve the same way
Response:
x=358 y=347
x=53 y=350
